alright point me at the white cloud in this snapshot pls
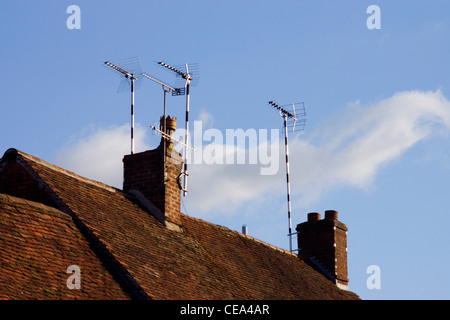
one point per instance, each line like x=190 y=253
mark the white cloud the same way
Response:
x=206 y=118
x=355 y=145
x=347 y=150
x=97 y=153
x=224 y=188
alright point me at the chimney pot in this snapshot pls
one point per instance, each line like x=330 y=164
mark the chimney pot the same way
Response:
x=313 y=216
x=331 y=215
x=171 y=123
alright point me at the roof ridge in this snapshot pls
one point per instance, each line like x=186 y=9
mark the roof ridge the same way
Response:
x=66 y=172
x=25 y=202
x=112 y=189
x=241 y=235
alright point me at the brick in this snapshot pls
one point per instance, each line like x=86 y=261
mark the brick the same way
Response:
x=326 y=241
x=145 y=172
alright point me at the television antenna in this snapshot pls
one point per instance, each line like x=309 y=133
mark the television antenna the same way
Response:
x=128 y=69
x=294 y=122
x=167 y=136
x=184 y=73
x=166 y=88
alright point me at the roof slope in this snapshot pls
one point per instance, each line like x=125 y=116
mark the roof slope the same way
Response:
x=37 y=245
x=205 y=261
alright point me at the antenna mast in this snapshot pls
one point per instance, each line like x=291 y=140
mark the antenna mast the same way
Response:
x=128 y=68
x=166 y=88
x=187 y=77
x=289 y=116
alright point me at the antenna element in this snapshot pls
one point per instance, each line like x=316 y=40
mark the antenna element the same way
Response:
x=183 y=91
x=127 y=68
x=289 y=116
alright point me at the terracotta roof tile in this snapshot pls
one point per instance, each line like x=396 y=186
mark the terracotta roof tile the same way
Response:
x=205 y=261
x=37 y=244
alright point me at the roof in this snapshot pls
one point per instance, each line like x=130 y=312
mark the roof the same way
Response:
x=38 y=244
x=112 y=237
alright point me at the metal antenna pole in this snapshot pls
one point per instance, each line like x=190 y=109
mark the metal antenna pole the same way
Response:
x=132 y=114
x=288 y=115
x=165 y=130
x=127 y=68
x=187 y=77
x=286 y=145
x=188 y=81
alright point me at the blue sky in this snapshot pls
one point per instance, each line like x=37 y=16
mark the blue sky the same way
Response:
x=375 y=146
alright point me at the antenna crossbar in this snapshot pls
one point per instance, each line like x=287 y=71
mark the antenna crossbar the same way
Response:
x=282 y=110
x=158 y=81
x=119 y=69
x=184 y=75
x=169 y=137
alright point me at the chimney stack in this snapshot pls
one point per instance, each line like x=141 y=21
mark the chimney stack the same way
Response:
x=154 y=181
x=324 y=244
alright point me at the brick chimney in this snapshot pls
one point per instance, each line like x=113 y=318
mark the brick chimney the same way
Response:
x=324 y=244
x=155 y=188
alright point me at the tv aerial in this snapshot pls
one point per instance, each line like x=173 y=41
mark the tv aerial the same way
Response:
x=188 y=76
x=163 y=131
x=293 y=121
x=128 y=69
